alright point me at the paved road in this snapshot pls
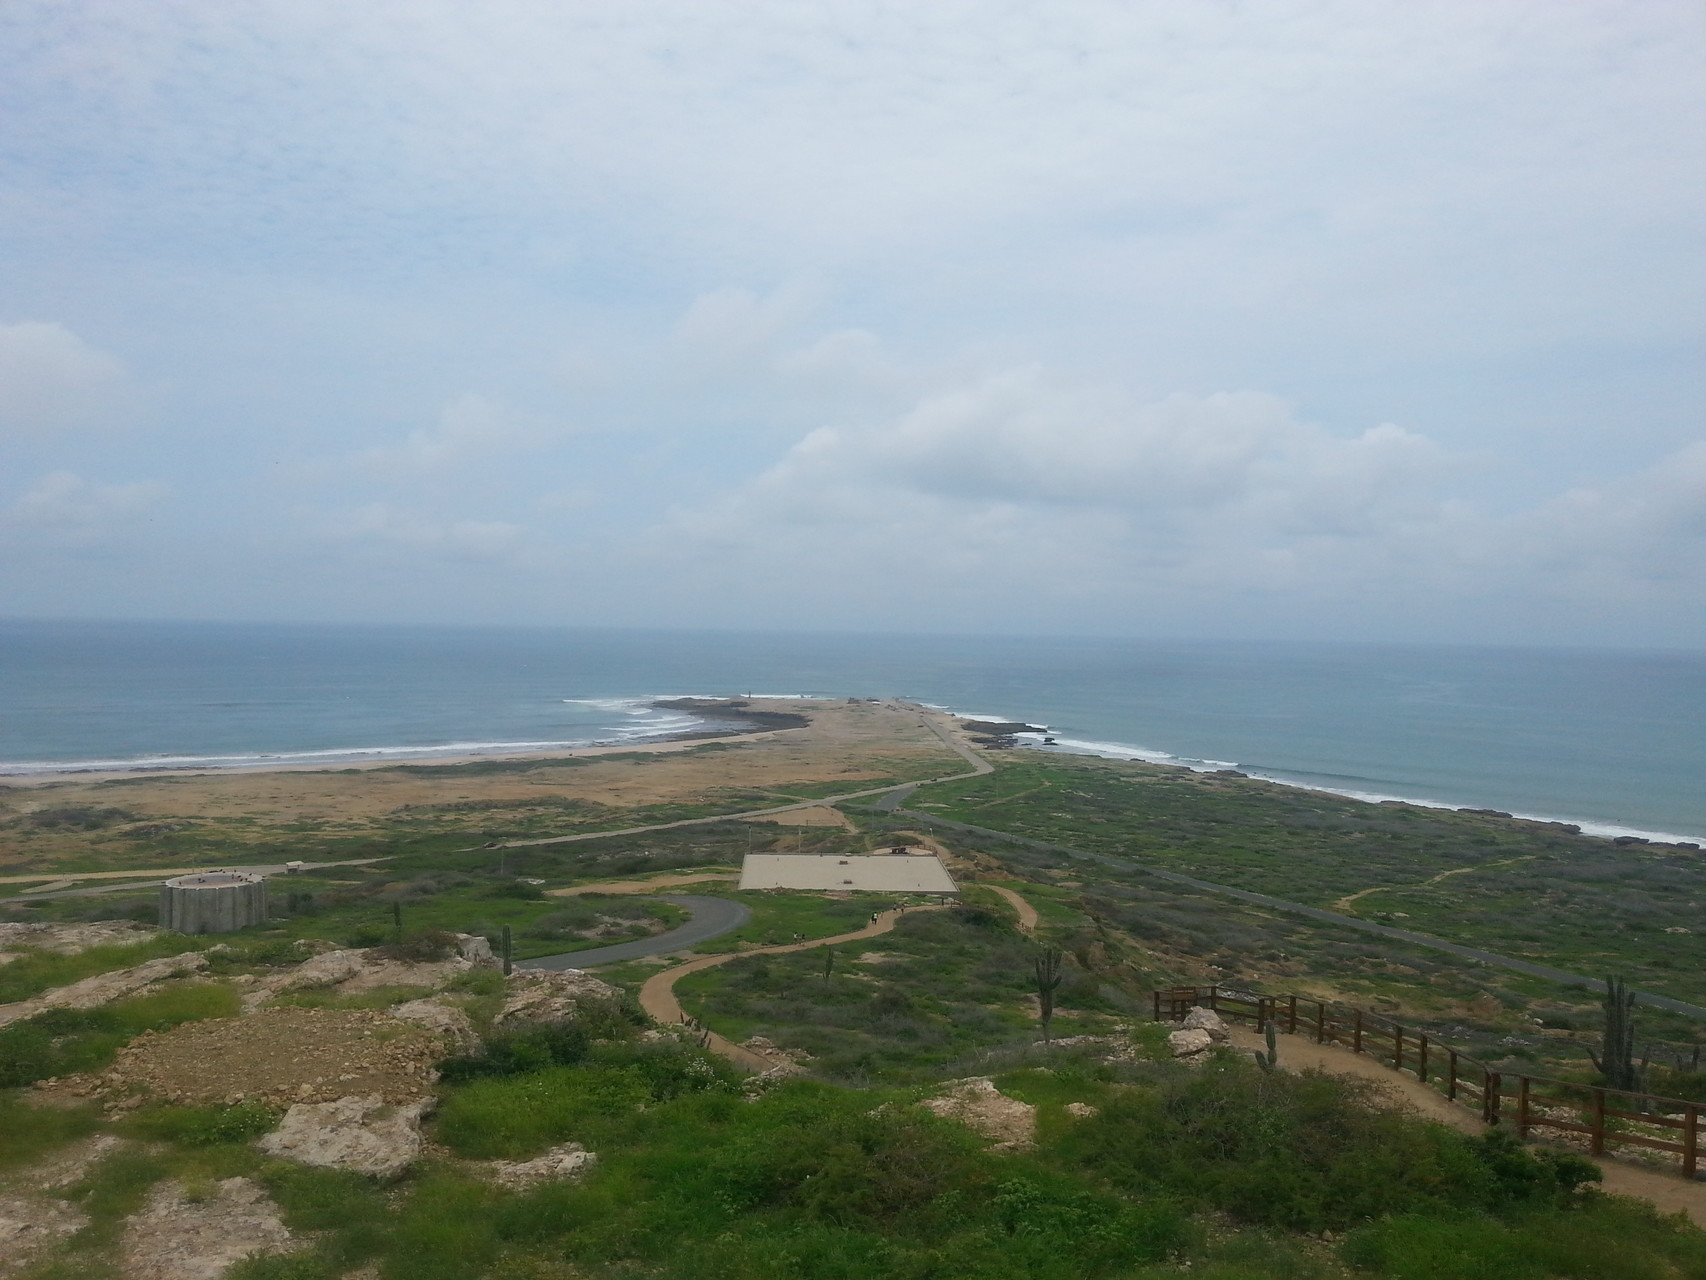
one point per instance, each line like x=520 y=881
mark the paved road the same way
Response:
x=712 y=917
x=160 y=877
x=1319 y=913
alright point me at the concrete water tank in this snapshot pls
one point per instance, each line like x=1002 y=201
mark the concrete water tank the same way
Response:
x=213 y=902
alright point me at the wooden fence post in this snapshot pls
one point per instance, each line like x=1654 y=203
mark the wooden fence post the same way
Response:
x=1522 y=1108
x=1492 y=1089
x=1356 y=1034
x=1291 y=1025
x=1422 y=1059
x=1451 y=1074
x=1157 y=998
x=1397 y=1047
x=1690 y=1142
x=1599 y=1122
x=1320 y=1022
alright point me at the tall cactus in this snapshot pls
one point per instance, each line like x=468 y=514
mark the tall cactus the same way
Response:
x=1269 y=1060
x=508 y=952
x=1046 y=968
x=1616 y=1058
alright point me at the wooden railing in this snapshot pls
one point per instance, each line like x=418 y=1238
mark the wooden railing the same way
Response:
x=1607 y=1118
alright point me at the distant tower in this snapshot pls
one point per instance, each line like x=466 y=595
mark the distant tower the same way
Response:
x=213 y=902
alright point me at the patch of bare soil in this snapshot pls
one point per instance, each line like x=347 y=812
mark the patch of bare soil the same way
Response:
x=279 y=1056
x=182 y=1235
x=981 y=1107
x=817 y=816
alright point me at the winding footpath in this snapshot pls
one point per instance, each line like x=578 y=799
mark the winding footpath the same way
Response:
x=657 y=996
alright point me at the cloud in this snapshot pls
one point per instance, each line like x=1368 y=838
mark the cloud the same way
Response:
x=1018 y=487
x=471 y=430
x=50 y=379
x=381 y=528
x=64 y=510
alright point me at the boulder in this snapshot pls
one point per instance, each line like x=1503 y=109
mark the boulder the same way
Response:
x=571 y=1160
x=1192 y=1044
x=980 y=1106
x=1082 y=1110
x=1201 y=1019
x=364 y=1135
x=548 y=995
x=447 y=1020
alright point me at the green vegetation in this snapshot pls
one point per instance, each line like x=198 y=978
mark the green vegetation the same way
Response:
x=941 y=987
x=61 y=1041
x=34 y=972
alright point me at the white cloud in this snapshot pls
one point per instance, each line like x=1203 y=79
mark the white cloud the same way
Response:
x=380 y=527
x=471 y=430
x=64 y=510
x=51 y=379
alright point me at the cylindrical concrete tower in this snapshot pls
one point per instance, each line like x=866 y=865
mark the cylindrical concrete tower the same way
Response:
x=213 y=902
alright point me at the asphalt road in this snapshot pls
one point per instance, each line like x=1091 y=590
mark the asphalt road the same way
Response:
x=712 y=917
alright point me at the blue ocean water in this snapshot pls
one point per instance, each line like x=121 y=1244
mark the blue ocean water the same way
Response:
x=1614 y=740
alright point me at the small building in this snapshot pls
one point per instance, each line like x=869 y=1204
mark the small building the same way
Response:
x=880 y=873
x=213 y=902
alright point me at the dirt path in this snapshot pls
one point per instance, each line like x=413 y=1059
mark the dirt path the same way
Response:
x=657 y=996
x=1352 y=899
x=77 y=877
x=1028 y=918
x=1668 y=1191
x=642 y=886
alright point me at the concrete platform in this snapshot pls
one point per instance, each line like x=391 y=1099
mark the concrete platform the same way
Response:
x=881 y=873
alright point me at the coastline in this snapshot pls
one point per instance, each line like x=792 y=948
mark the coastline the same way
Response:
x=393 y=757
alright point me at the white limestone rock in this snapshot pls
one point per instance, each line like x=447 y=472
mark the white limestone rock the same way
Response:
x=365 y=1135
x=179 y=1235
x=571 y=1160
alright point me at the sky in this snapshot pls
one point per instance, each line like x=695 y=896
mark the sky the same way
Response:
x=1302 y=319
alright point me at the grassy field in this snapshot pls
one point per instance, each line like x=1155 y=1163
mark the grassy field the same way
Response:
x=1530 y=890
x=1140 y=1171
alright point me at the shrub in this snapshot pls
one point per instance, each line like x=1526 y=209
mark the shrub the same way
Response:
x=203 y=1126
x=423 y=947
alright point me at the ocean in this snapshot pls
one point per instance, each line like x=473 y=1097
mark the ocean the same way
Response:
x=1614 y=740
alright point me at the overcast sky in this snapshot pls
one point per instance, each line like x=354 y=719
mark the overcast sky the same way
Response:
x=1291 y=318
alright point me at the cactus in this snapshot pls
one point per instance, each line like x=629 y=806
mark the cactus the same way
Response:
x=1046 y=967
x=1269 y=1060
x=507 y=951
x=828 y=964
x=397 y=919
x=1616 y=1058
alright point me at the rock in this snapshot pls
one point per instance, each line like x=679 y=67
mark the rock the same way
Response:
x=447 y=1020
x=104 y=987
x=546 y=995
x=1190 y=1044
x=571 y=1160
x=766 y=1048
x=31 y=1224
x=180 y=1237
x=364 y=1135
x=475 y=949
x=1201 y=1019
x=69 y=939
x=1082 y=1110
x=980 y=1106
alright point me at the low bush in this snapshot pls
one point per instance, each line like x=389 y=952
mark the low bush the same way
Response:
x=1306 y=1152
x=422 y=947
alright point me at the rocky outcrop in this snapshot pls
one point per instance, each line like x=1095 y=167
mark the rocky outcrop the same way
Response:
x=69 y=939
x=571 y=1160
x=544 y=995
x=1191 y=1046
x=976 y=1103
x=350 y=971
x=1201 y=1019
x=439 y=1016
x=364 y=1135
x=104 y=987
x=178 y=1236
